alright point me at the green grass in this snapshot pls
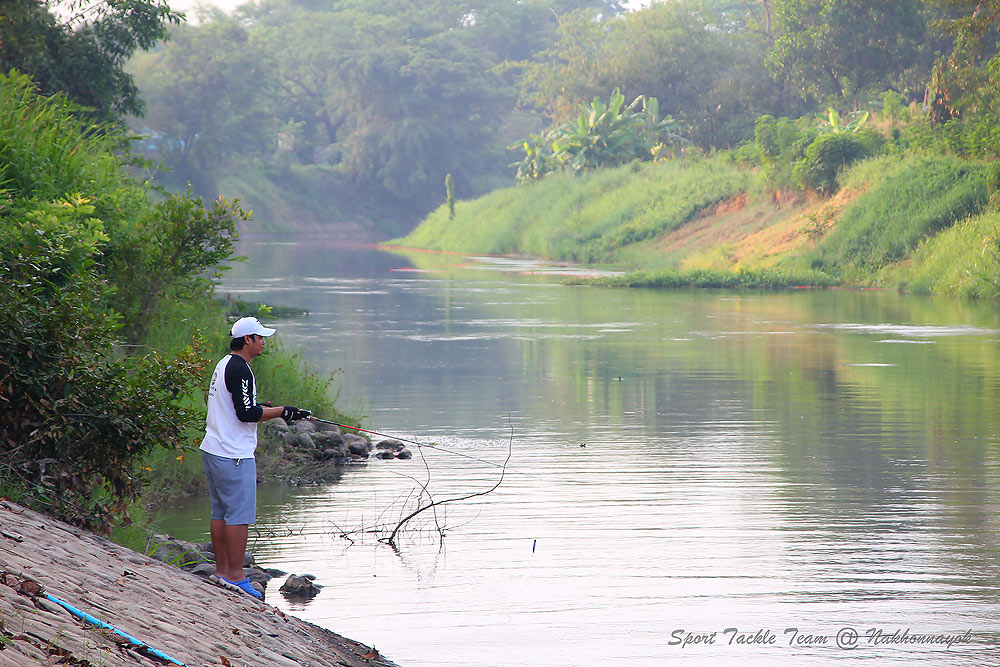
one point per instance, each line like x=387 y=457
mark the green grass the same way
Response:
x=588 y=218
x=283 y=377
x=917 y=198
x=289 y=197
x=715 y=278
x=962 y=261
x=915 y=221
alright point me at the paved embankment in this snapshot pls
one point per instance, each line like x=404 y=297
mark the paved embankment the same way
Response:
x=178 y=614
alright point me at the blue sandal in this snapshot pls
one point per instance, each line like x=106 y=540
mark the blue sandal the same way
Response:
x=245 y=586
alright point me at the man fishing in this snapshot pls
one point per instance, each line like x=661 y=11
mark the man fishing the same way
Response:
x=227 y=450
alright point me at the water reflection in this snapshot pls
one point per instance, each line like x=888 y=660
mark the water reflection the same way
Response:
x=752 y=460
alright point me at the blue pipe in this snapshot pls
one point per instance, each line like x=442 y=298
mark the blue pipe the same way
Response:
x=82 y=615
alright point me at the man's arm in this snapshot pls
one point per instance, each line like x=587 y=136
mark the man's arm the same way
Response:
x=268 y=412
x=240 y=383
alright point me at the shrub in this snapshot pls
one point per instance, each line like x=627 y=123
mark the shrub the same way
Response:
x=826 y=156
x=78 y=410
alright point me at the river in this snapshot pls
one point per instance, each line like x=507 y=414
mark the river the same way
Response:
x=695 y=477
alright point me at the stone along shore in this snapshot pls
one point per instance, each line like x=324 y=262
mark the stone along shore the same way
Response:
x=179 y=616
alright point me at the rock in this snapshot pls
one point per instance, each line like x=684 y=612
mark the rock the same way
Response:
x=258 y=576
x=303 y=441
x=404 y=453
x=326 y=428
x=176 y=552
x=299 y=586
x=324 y=439
x=350 y=438
x=358 y=449
x=277 y=425
x=330 y=454
x=384 y=454
x=303 y=426
x=275 y=572
x=204 y=569
x=394 y=445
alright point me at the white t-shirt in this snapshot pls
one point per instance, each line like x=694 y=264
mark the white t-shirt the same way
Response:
x=233 y=413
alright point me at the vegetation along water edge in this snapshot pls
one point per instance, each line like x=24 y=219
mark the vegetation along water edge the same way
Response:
x=908 y=219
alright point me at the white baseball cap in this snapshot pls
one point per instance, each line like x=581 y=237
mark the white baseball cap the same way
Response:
x=246 y=326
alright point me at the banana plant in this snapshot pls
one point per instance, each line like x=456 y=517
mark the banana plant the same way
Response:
x=601 y=135
x=833 y=123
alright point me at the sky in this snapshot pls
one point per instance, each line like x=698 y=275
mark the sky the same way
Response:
x=189 y=5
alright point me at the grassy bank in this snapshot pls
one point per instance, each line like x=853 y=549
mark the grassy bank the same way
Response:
x=283 y=377
x=914 y=221
x=593 y=218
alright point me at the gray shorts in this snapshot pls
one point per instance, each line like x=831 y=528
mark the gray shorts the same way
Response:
x=232 y=487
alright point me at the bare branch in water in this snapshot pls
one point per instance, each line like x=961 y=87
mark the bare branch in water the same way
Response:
x=433 y=504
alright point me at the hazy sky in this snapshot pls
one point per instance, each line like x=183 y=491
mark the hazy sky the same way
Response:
x=189 y=5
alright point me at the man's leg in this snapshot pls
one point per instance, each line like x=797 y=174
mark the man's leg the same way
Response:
x=230 y=545
x=236 y=549
x=220 y=547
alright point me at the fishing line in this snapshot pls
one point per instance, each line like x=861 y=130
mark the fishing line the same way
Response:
x=412 y=442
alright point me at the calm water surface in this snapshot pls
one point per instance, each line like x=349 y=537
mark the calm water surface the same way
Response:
x=680 y=462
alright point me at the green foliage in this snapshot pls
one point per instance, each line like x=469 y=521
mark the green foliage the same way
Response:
x=720 y=279
x=802 y=154
x=963 y=261
x=173 y=251
x=77 y=409
x=82 y=50
x=392 y=96
x=210 y=93
x=780 y=146
x=449 y=195
x=834 y=123
x=702 y=60
x=826 y=156
x=603 y=135
x=842 y=47
x=75 y=412
x=921 y=197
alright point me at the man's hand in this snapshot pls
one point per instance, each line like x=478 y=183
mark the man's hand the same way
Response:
x=291 y=413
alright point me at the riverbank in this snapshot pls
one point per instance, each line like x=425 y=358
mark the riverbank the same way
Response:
x=174 y=612
x=912 y=221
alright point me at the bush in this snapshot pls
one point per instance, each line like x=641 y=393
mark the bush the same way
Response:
x=826 y=156
x=78 y=410
x=76 y=413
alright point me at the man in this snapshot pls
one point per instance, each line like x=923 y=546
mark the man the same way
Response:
x=228 y=450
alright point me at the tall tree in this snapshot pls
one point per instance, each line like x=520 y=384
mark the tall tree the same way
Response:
x=82 y=48
x=210 y=95
x=702 y=60
x=841 y=47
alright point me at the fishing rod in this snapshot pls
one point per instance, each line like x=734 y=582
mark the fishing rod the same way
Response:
x=412 y=442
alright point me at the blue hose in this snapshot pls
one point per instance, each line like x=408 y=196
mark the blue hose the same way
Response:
x=82 y=615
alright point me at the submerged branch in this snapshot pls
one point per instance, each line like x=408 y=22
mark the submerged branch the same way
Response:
x=391 y=540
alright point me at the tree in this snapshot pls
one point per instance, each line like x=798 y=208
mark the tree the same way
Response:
x=702 y=60
x=82 y=50
x=603 y=135
x=841 y=47
x=210 y=93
